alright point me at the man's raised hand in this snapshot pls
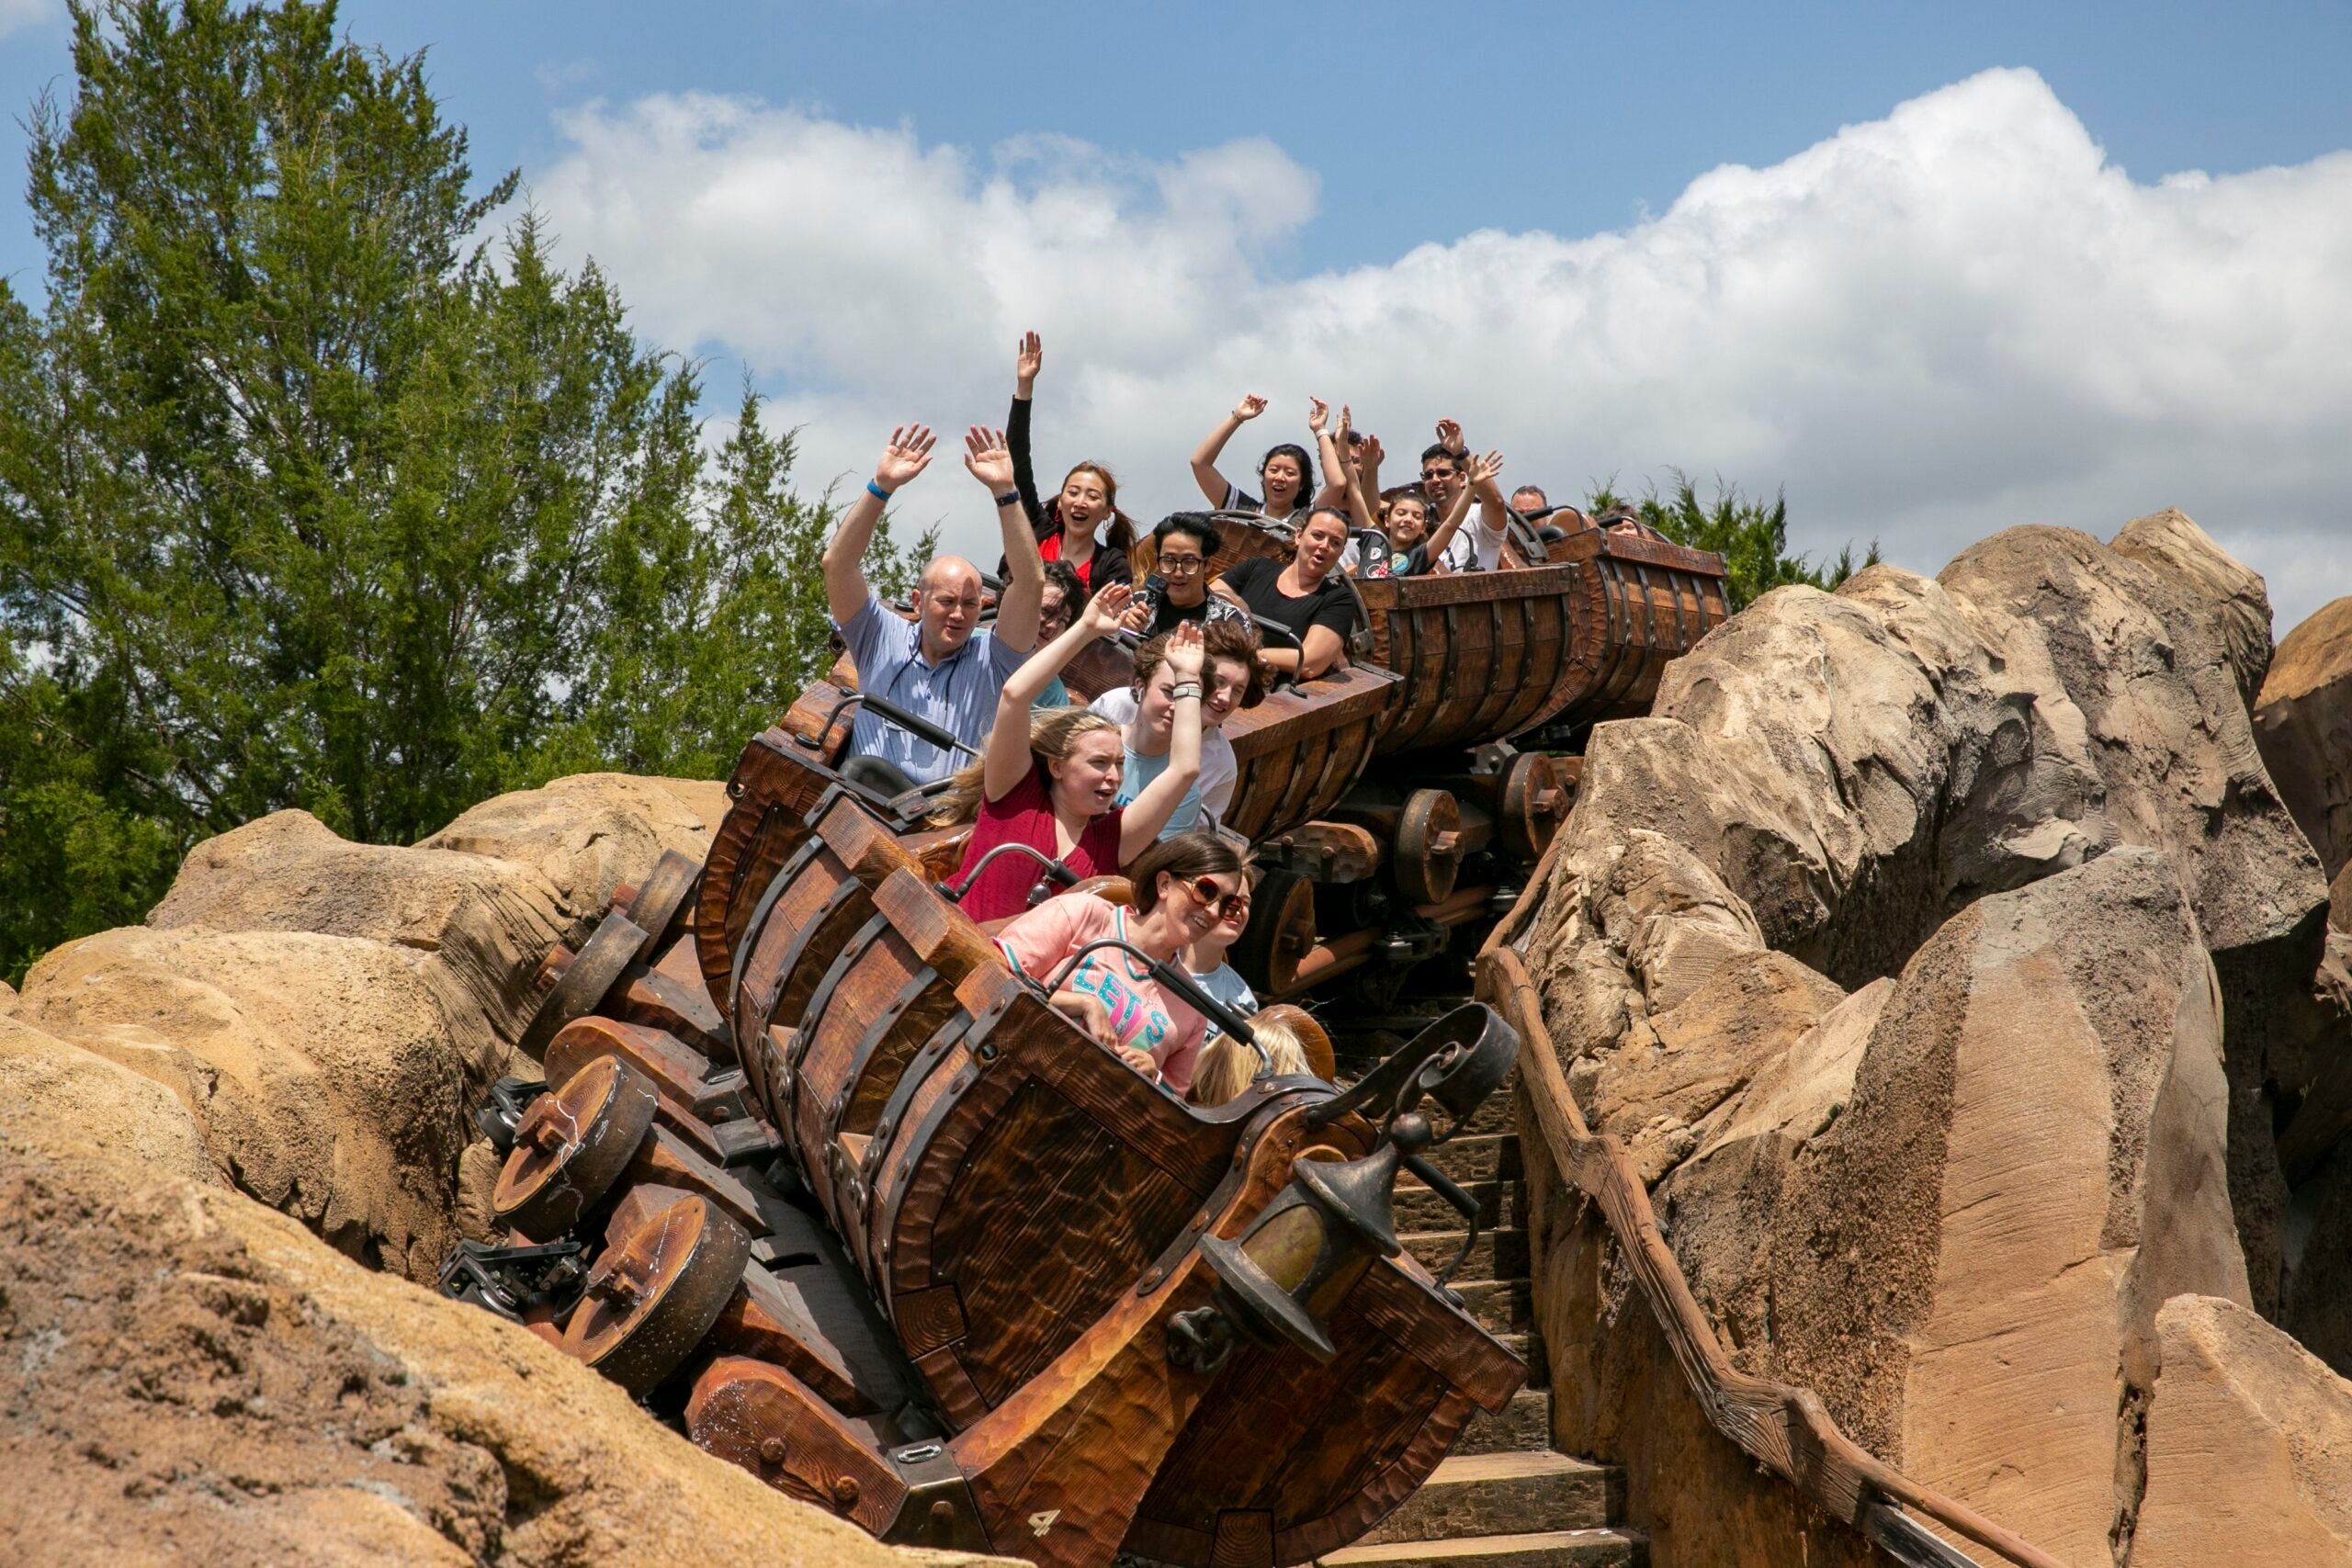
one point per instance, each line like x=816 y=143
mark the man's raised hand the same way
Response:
x=908 y=454
x=1483 y=469
x=1448 y=435
x=987 y=458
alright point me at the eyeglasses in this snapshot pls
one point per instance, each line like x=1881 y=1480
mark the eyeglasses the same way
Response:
x=1215 y=900
x=1182 y=563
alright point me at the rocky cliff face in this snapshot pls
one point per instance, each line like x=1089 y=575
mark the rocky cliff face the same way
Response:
x=1945 y=955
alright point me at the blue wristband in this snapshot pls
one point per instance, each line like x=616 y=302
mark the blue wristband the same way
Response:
x=877 y=491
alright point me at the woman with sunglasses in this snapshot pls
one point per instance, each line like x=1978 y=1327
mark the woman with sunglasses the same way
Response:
x=1185 y=887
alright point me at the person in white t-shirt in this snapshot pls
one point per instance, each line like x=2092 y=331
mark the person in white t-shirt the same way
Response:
x=1144 y=713
x=1446 y=471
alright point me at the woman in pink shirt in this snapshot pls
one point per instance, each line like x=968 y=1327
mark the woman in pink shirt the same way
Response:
x=1051 y=781
x=1183 y=886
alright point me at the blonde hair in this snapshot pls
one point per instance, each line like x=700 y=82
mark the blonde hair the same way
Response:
x=1226 y=1066
x=1054 y=733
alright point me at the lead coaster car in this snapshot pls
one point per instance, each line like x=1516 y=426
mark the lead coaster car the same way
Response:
x=1132 y=1322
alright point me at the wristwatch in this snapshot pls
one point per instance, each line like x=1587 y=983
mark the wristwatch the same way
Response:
x=1009 y=498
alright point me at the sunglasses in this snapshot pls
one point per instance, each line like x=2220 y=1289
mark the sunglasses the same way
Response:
x=1215 y=900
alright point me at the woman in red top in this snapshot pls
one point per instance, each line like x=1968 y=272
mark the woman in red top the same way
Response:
x=1065 y=527
x=1051 y=781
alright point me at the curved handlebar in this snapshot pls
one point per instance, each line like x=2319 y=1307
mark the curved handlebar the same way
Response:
x=1052 y=868
x=1169 y=975
x=913 y=724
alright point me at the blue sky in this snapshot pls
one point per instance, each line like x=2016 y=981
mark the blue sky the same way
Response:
x=1814 y=249
x=1572 y=119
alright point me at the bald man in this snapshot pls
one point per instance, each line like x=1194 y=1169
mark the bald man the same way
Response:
x=939 y=667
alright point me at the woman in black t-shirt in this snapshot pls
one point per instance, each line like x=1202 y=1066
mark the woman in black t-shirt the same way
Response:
x=1306 y=595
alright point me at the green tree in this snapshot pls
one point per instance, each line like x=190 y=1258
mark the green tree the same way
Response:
x=1752 y=538
x=312 y=493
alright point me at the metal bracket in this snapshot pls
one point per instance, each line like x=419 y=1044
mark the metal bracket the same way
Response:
x=938 y=1511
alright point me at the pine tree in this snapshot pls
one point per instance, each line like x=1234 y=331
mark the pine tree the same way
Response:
x=313 y=492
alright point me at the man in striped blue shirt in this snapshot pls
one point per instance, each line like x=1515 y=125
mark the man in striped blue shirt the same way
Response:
x=937 y=666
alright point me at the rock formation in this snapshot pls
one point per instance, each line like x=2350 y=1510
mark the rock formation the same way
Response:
x=2303 y=720
x=331 y=1012
x=2249 y=1446
x=189 y=1374
x=1943 y=954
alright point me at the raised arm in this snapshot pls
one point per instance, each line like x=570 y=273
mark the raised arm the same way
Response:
x=1027 y=360
x=1151 y=810
x=990 y=462
x=1005 y=761
x=1481 y=478
x=1494 y=507
x=1328 y=455
x=1363 y=483
x=1342 y=481
x=845 y=590
x=1206 y=454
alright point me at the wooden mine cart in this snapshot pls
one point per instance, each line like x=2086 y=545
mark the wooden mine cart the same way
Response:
x=963 y=1275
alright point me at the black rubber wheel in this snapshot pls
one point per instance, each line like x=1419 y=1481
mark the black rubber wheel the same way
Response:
x=1280 y=933
x=670 y=890
x=603 y=959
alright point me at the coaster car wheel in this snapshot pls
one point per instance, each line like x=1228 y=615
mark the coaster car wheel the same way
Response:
x=584 y=983
x=670 y=889
x=571 y=1145
x=1281 y=931
x=1429 y=846
x=655 y=1294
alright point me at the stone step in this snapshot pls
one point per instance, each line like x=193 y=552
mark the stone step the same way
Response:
x=1499 y=1255
x=1477 y=1156
x=1500 y=1112
x=1474 y=1494
x=1526 y=1423
x=1542 y=1549
x=1502 y=1204
x=1503 y=1306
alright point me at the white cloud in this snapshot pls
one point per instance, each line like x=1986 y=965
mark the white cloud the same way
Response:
x=1926 y=328
x=22 y=15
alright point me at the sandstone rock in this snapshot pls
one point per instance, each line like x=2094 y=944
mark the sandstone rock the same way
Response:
x=488 y=895
x=2303 y=720
x=490 y=920
x=1677 y=1072
x=2144 y=655
x=57 y=1100
x=7 y=998
x=1966 y=1261
x=187 y=1376
x=331 y=1077
x=1852 y=767
x=589 y=833
x=2249 y=1446
x=2167 y=543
